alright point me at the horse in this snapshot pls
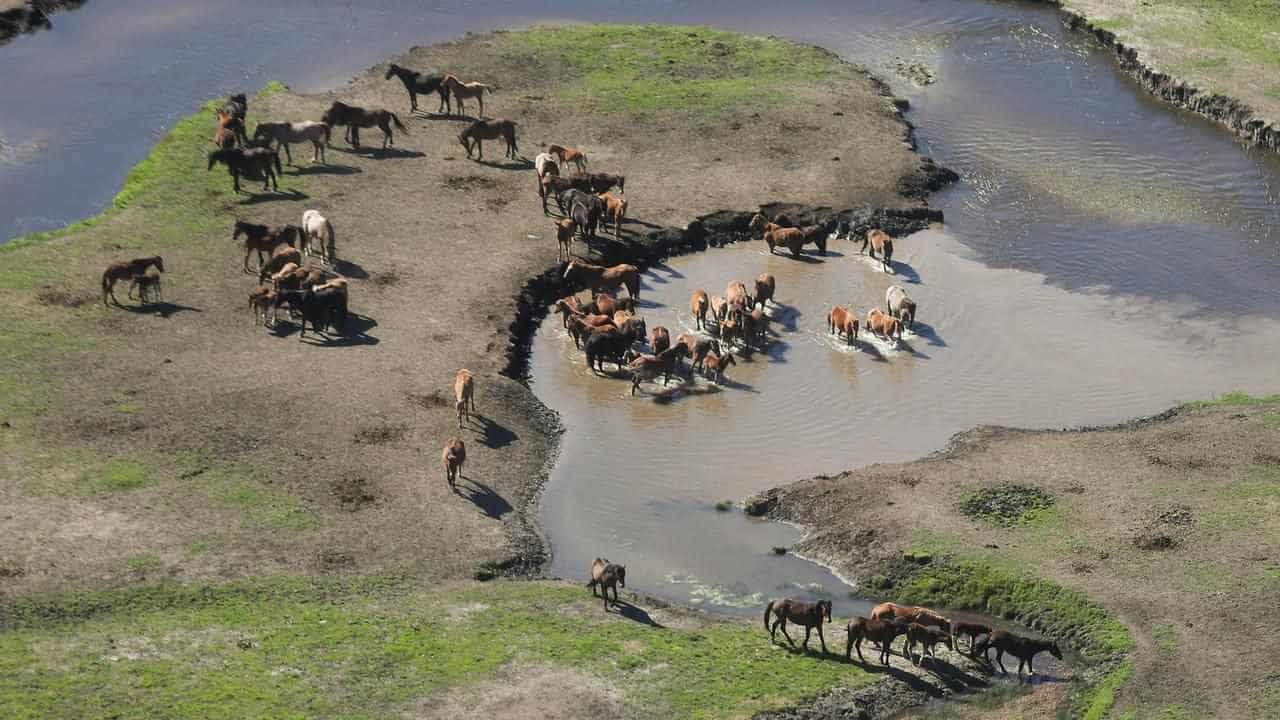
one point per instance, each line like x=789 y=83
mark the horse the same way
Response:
x=284 y=133
x=147 y=286
x=544 y=166
x=713 y=366
x=126 y=270
x=586 y=211
x=616 y=208
x=606 y=575
x=698 y=306
x=765 y=286
x=237 y=105
x=463 y=90
x=603 y=279
x=910 y=613
x=900 y=306
x=880 y=242
x=453 y=456
x=464 y=393
x=699 y=348
x=735 y=294
x=649 y=367
x=229 y=130
x=1023 y=648
x=481 y=130
x=927 y=638
x=972 y=629
x=357 y=117
x=416 y=82
x=810 y=615
x=884 y=325
x=265 y=238
x=883 y=632
x=567 y=154
x=660 y=339
x=565 y=230
x=251 y=163
x=601 y=182
x=842 y=321
x=719 y=308
x=318 y=231
x=606 y=304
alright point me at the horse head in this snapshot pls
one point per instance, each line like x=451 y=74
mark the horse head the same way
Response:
x=158 y=262
x=757 y=222
x=622 y=580
x=824 y=609
x=1055 y=651
x=392 y=69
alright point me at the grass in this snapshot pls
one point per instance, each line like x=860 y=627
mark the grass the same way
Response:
x=259 y=505
x=1237 y=398
x=1166 y=638
x=1008 y=505
x=367 y=648
x=647 y=68
x=1096 y=702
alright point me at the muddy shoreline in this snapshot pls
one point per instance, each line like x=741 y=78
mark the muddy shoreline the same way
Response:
x=18 y=17
x=1234 y=114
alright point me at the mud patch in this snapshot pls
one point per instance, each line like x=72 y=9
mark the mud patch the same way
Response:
x=63 y=298
x=1006 y=504
x=433 y=399
x=332 y=559
x=385 y=279
x=353 y=493
x=1166 y=529
x=539 y=692
x=381 y=434
x=467 y=183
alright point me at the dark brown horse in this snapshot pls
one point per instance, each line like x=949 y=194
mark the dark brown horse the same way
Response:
x=927 y=638
x=416 y=82
x=810 y=615
x=606 y=575
x=126 y=270
x=251 y=163
x=265 y=239
x=883 y=632
x=237 y=106
x=482 y=130
x=1023 y=648
x=972 y=630
x=357 y=117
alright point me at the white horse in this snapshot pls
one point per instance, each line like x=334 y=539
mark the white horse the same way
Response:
x=317 y=133
x=318 y=232
x=545 y=163
x=900 y=305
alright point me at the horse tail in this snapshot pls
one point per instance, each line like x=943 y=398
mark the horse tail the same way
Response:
x=399 y=125
x=767 y=609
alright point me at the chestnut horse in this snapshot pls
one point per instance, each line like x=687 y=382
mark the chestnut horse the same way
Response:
x=453 y=456
x=883 y=632
x=229 y=130
x=910 y=613
x=698 y=306
x=882 y=324
x=567 y=154
x=880 y=242
x=842 y=321
x=462 y=91
x=464 y=393
x=602 y=279
x=765 y=286
x=810 y=615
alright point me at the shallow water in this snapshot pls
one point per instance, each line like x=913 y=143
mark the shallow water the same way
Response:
x=1104 y=256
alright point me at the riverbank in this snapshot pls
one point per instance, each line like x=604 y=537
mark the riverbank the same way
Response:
x=181 y=443
x=24 y=16
x=1166 y=525
x=1218 y=59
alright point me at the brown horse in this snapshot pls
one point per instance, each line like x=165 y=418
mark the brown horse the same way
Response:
x=810 y=615
x=699 y=348
x=126 y=270
x=883 y=632
x=453 y=456
x=698 y=306
x=765 y=286
x=616 y=208
x=464 y=393
x=357 y=117
x=264 y=239
x=660 y=339
x=229 y=130
x=606 y=575
x=467 y=90
x=482 y=130
x=567 y=154
x=972 y=630
x=565 y=230
x=713 y=365
x=1023 y=648
x=841 y=321
x=880 y=242
x=647 y=368
x=910 y=613
x=927 y=638
x=604 y=279
x=883 y=325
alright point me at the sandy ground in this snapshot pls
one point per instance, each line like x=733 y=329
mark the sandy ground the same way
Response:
x=324 y=456
x=1170 y=524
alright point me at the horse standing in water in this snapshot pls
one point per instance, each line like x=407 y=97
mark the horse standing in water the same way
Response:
x=416 y=82
x=357 y=117
x=810 y=615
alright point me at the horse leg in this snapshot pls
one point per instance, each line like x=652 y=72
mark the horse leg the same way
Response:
x=1000 y=660
x=808 y=630
x=413 y=101
x=479 y=142
x=857 y=644
x=785 y=634
x=355 y=135
x=288 y=155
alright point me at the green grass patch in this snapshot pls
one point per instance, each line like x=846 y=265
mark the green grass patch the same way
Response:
x=647 y=68
x=1007 y=504
x=1166 y=638
x=1120 y=22
x=292 y=648
x=261 y=506
x=1237 y=398
x=143 y=563
x=1096 y=702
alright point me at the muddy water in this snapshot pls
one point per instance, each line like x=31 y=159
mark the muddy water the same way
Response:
x=1103 y=256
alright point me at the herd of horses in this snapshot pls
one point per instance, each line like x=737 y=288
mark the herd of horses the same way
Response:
x=607 y=327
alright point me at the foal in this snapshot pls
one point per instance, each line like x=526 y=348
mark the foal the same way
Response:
x=573 y=155
x=463 y=91
x=808 y=614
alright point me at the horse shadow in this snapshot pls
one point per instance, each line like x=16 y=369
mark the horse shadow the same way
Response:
x=483 y=497
x=521 y=164
x=915 y=682
x=635 y=613
x=953 y=677
x=670 y=271
x=163 y=309
x=904 y=271
x=493 y=435
x=927 y=332
x=346 y=268
x=269 y=196
x=832 y=253
x=785 y=315
x=381 y=153
x=326 y=170
x=802 y=257
x=356 y=332
x=448 y=115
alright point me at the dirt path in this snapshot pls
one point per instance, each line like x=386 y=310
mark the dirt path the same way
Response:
x=192 y=444
x=1170 y=524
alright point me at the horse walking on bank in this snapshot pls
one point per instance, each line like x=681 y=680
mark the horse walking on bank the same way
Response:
x=416 y=82
x=809 y=615
x=355 y=118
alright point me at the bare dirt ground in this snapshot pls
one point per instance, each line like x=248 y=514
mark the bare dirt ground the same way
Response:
x=1170 y=524
x=259 y=453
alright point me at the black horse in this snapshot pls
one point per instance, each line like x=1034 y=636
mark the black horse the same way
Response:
x=357 y=117
x=416 y=82
x=252 y=163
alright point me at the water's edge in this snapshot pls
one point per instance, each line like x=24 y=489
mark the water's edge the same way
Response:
x=30 y=16
x=1232 y=113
